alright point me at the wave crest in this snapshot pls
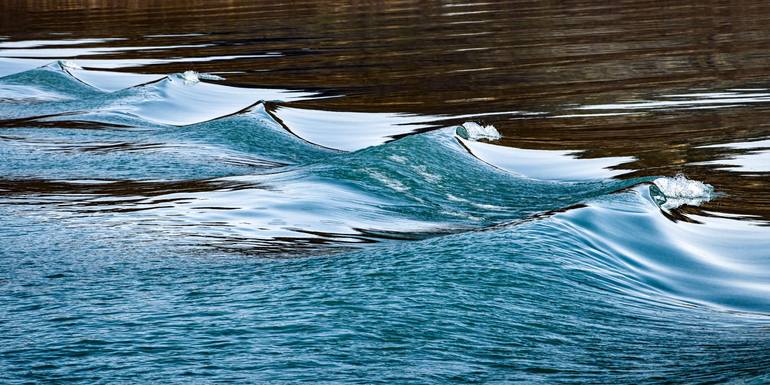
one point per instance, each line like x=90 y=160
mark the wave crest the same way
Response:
x=679 y=190
x=475 y=131
x=192 y=77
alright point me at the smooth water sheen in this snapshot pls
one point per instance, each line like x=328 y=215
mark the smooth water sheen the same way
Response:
x=280 y=194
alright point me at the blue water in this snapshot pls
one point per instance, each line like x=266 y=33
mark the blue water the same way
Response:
x=180 y=231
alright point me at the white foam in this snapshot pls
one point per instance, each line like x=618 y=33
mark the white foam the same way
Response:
x=679 y=191
x=681 y=187
x=191 y=77
x=475 y=131
x=187 y=77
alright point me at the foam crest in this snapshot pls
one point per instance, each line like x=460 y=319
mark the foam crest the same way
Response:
x=679 y=190
x=475 y=131
x=192 y=77
x=188 y=77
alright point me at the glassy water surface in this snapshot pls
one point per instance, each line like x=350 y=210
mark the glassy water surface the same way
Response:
x=398 y=192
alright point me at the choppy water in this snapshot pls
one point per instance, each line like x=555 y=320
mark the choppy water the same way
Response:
x=292 y=214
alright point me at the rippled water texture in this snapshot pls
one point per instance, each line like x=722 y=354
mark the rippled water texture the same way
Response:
x=397 y=192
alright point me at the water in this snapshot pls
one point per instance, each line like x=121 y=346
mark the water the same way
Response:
x=405 y=192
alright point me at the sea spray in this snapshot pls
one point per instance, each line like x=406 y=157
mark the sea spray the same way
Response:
x=475 y=131
x=672 y=192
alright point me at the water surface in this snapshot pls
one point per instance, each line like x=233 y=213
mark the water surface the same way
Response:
x=402 y=192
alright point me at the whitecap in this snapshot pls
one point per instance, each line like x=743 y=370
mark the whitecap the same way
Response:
x=195 y=77
x=475 y=131
x=186 y=76
x=679 y=190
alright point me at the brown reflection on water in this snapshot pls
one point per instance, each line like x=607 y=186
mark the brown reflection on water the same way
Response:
x=120 y=188
x=471 y=57
x=436 y=57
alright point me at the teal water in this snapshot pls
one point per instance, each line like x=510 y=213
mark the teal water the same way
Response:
x=176 y=230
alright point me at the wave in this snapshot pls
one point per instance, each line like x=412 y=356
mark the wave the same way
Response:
x=417 y=186
x=640 y=251
x=475 y=131
x=268 y=178
x=175 y=99
x=619 y=247
x=679 y=191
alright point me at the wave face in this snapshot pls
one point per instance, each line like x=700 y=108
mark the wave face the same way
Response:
x=152 y=218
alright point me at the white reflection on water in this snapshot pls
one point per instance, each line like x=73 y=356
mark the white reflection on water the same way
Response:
x=754 y=157
x=546 y=164
x=10 y=66
x=683 y=101
x=348 y=131
x=181 y=100
x=46 y=43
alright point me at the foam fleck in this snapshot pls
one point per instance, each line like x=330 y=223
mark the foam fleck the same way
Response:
x=391 y=183
x=192 y=77
x=475 y=131
x=423 y=172
x=398 y=158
